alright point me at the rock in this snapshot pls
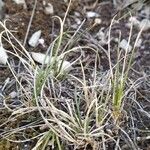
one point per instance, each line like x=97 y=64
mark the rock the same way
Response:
x=102 y=37
x=46 y=59
x=125 y=46
x=78 y=21
x=144 y=24
x=19 y=1
x=77 y=14
x=91 y=14
x=133 y=21
x=3 y=55
x=13 y=94
x=42 y=42
x=49 y=10
x=66 y=66
x=34 y=40
x=139 y=42
x=40 y=58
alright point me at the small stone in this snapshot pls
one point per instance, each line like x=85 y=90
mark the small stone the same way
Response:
x=44 y=2
x=40 y=58
x=13 y=94
x=66 y=1
x=77 y=14
x=34 y=40
x=42 y=42
x=49 y=10
x=19 y=1
x=91 y=14
x=134 y=21
x=102 y=37
x=46 y=59
x=125 y=46
x=139 y=42
x=3 y=55
x=144 y=24
x=116 y=39
x=78 y=21
x=66 y=66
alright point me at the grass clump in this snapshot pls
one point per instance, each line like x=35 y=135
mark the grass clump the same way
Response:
x=83 y=108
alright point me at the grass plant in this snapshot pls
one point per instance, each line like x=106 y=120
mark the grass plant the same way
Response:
x=79 y=115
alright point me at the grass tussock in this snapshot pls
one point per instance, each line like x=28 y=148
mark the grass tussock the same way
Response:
x=80 y=108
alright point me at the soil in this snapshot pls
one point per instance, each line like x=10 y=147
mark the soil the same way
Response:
x=18 y=20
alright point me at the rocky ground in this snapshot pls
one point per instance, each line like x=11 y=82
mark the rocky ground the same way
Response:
x=95 y=16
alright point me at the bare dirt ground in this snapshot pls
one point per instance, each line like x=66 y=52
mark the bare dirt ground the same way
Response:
x=18 y=20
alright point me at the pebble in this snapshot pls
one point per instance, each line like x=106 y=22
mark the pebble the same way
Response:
x=42 y=42
x=46 y=59
x=125 y=46
x=34 y=40
x=91 y=14
x=102 y=37
x=13 y=94
x=78 y=21
x=139 y=42
x=3 y=56
x=66 y=66
x=144 y=24
x=19 y=1
x=134 y=21
x=77 y=14
x=40 y=58
x=49 y=10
